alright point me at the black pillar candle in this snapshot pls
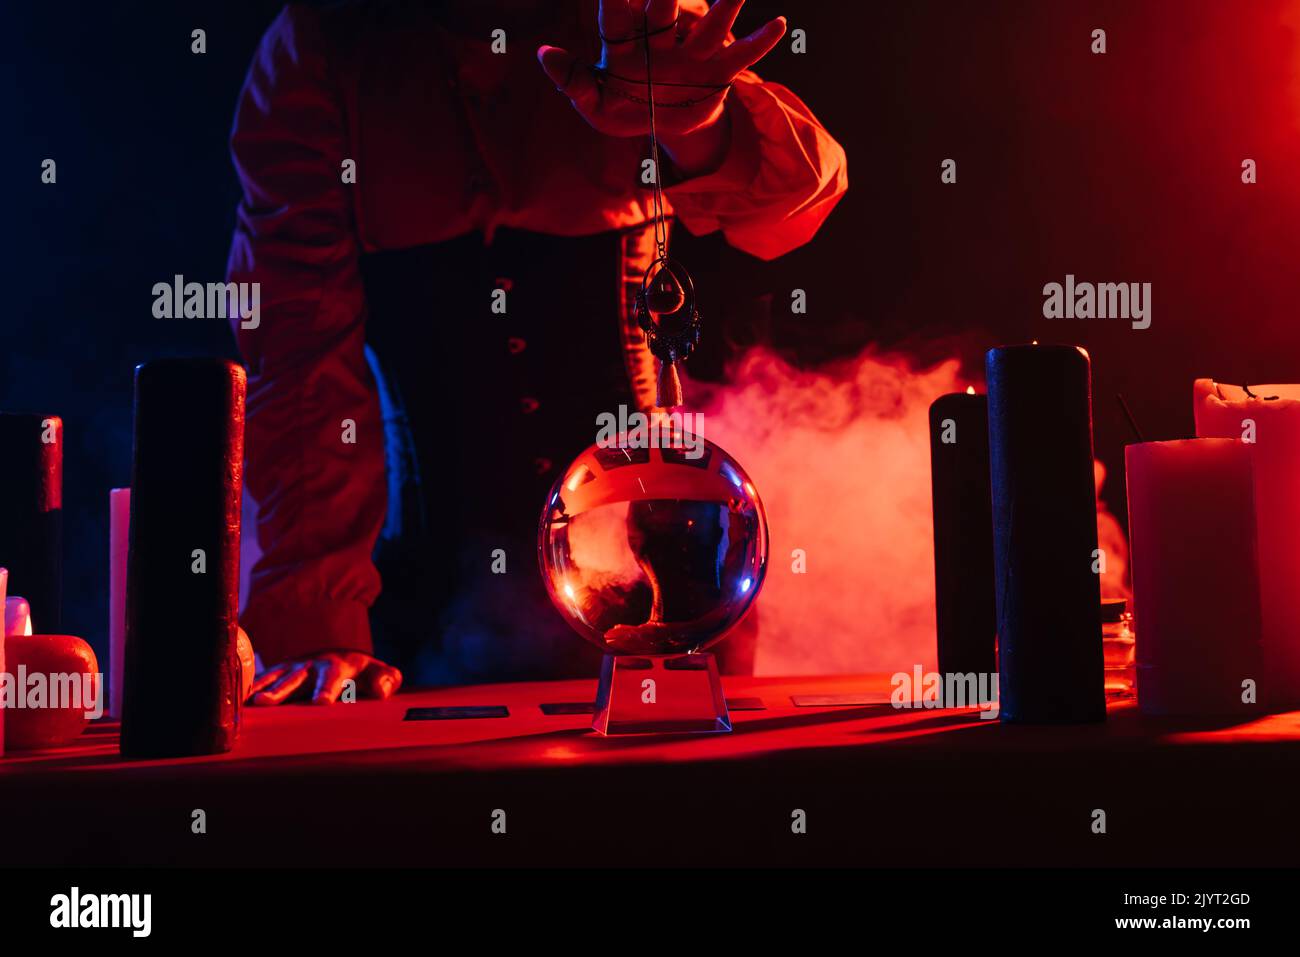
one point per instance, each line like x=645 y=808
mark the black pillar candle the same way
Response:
x=965 y=618
x=182 y=687
x=1045 y=535
x=31 y=513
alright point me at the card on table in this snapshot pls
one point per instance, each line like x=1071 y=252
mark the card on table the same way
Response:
x=586 y=707
x=839 y=700
x=453 y=713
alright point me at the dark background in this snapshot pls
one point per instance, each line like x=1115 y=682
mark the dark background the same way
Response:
x=1122 y=167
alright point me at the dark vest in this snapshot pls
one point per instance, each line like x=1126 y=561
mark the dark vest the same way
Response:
x=482 y=412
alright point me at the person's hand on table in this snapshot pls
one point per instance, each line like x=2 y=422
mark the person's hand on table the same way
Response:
x=320 y=678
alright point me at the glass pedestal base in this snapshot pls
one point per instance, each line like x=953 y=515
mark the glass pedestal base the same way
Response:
x=652 y=694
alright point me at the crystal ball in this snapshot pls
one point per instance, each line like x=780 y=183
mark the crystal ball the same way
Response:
x=664 y=294
x=653 y=550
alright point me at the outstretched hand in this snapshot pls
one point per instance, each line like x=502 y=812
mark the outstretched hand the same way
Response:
x=692 y=66
x=320 y=679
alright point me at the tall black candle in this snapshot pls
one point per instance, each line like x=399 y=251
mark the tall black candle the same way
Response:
x=1045 y=535
x=31 y=513
x=181 y=689
x=965 y=619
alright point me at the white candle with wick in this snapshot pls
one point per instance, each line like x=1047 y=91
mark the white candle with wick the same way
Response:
x=1266 y=419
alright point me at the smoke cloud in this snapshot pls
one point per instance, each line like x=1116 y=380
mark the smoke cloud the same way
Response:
x=841 y=458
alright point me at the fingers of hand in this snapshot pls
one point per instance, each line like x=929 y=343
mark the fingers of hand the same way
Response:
x=330 y=673
x=570 y=77
x=709 y=33
x=658 y=20
x=615 y=19
x=745 y=53
x=267 y=678
x=284 y=686
x=380 y=680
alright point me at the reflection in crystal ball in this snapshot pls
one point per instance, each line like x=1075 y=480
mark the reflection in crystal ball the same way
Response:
x=653 y=551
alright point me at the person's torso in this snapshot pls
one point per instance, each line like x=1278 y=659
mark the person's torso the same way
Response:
x=451 y=137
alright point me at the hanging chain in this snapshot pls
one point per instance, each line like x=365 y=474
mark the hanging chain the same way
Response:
x=668 y=316
x=661 y=229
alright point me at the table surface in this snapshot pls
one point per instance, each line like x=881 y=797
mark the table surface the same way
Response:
x=876 y=786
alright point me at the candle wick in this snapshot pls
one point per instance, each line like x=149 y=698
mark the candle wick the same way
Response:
x=1219 y=392
x=1129 y=415
x=1266 y=398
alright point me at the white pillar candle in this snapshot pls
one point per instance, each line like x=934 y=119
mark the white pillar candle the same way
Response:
x=119 y=526
x=1268 y=426
x=1195 y=580
x=18 y=616
x=4 y=588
